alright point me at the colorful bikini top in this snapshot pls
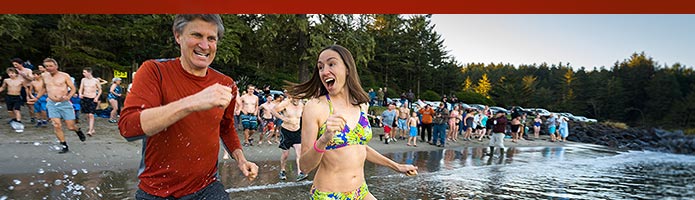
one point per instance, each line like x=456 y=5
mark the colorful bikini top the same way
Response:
x=359 y=135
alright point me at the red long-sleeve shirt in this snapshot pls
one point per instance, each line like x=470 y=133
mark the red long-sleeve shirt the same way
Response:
x=182 y=158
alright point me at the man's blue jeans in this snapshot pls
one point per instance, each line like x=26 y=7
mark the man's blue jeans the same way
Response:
x=439 y=133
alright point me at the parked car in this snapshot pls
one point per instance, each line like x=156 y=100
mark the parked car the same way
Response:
x=494 y=109
x=584 y=119
x=520 y=110
x=434 y=104
x=478 y=106
x=542 y=112
x=464 y=106
x=568 y=115
x=278 y=92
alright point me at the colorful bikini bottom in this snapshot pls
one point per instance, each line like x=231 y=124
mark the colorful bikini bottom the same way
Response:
x=356 y=194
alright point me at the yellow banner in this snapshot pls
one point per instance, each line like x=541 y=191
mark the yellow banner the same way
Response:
x=120 y=74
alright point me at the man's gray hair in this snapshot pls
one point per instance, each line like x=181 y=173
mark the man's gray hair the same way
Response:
x=180 y=21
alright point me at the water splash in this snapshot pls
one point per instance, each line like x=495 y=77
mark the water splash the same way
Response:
x=269 y=186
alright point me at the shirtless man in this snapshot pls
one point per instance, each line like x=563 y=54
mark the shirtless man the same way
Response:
x=403 y=114
x=24 y=74
x=90 y=89
x=58 y=103
x=13 y=100
x=267 y=119
x=249 y=114
x=291 y=132
x=35 y=88
x=278 y=121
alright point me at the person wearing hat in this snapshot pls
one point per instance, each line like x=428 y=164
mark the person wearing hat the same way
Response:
x=499 y=127
x=115 y=93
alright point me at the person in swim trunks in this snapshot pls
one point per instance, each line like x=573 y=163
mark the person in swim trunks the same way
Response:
x=335 y=129
x=13 y=100
x=412 y=123
x=58 y=103
x=36 y=87
x=249 y=113
x=267 y=119
x=537 y=121
x=291 y=132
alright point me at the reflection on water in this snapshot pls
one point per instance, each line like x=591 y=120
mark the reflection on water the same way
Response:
x=570 y=172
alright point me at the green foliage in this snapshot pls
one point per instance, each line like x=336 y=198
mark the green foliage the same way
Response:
x=377 y=110
x=392 y=94
x=474 y=98
x=430 y=95
x=395 y=51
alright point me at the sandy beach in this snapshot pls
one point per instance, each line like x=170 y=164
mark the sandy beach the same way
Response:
x=107 y=150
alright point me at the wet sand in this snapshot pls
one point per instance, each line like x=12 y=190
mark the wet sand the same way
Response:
x=36 y=148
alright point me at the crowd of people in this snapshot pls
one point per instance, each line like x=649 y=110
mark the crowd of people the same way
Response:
x=444 y=124
x=181 y=109
x=52 y=95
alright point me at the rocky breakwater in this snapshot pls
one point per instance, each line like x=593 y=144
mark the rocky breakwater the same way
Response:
x=632 y=138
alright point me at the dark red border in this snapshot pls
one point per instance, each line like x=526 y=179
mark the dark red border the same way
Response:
x=348 y=6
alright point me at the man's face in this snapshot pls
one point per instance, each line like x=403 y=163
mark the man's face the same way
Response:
x=85 y=73
x=50 y=67
x=12 y=74
x=250 y=90
x=198 y=43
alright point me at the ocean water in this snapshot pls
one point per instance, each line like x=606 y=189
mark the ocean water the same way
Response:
x=578 y=171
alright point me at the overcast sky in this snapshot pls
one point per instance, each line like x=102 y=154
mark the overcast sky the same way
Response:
x=582 y=40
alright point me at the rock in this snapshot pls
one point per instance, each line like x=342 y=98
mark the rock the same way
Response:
x=634 y=138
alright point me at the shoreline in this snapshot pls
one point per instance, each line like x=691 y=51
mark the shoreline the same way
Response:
x=35 y=149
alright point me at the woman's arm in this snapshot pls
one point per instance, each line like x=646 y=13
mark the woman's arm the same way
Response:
x=376 y=158
x=111 y=90
x=311 y=158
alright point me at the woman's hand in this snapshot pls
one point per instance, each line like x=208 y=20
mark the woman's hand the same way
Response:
x=334 y=123
x=408 y=170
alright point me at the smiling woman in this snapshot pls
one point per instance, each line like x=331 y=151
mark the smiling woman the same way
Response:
x=335 y=129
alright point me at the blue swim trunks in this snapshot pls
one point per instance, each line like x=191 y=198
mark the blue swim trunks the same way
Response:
x=60 y=110
x=40 y=104
x=413 y=131
x=551 y=130
x=249 y=121
x=401 y=124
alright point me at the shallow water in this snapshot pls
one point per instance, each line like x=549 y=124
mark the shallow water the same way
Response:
x=570 y=172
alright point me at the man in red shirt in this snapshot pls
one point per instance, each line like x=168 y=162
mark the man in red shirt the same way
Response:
x=181 y=109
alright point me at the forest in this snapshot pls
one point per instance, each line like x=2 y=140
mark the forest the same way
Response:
x=400 y=52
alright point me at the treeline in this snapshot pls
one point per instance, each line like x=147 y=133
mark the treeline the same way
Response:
x=395 y=51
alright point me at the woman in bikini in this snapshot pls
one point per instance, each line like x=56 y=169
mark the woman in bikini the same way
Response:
x=454 y=119
x=335 y=129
